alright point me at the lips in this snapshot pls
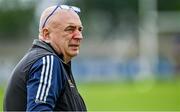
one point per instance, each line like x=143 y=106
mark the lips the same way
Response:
x=74 y=46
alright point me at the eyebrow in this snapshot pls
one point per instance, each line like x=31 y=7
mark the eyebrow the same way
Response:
x=72 y=24
x=73 y=27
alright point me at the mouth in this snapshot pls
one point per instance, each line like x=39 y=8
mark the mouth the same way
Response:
x=74 y=46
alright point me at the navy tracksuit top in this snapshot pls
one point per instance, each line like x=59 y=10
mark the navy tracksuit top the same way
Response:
x=42 y=82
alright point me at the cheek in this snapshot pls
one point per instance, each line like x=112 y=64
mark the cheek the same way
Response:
x=63 y=40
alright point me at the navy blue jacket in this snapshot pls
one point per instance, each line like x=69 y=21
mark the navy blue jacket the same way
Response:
x=42 y=82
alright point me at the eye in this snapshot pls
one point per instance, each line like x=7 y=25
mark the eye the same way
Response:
x=70 y=29
x=80 y=29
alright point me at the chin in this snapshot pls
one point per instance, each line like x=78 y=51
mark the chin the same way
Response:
x=74 y=53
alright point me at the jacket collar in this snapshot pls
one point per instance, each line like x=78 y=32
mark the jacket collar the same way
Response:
x=43 y=45
x=49 y=48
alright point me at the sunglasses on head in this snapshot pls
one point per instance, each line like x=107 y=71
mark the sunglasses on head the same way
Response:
x=67 y=7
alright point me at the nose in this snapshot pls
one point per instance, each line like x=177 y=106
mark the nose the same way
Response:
x=77 y=35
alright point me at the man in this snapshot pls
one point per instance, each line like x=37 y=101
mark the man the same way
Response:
x=42 y=80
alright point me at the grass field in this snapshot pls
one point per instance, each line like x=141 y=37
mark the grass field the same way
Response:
x=1 y=98
x=148 y=96
x=134 y=96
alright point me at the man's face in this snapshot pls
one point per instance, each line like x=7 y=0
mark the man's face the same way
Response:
x=66 y=37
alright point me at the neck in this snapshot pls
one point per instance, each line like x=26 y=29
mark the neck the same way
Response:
x=66 y=59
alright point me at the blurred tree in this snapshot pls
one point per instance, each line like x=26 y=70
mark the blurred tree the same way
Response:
x=16 y=17
x=167 y=5
x=116 y=10
x=113 y=11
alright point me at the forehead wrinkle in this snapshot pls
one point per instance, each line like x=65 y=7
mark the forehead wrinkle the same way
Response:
x=66 y=17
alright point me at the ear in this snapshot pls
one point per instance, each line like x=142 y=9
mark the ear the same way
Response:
x=46 y=35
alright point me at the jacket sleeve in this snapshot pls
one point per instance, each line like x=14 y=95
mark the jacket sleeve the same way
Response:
x=44 y=84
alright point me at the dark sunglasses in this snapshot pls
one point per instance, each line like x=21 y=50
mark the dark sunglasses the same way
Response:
x=75 y=9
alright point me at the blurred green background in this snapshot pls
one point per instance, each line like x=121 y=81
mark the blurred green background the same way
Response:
x=130 y=55
x=139 y=96
x=129 y=96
